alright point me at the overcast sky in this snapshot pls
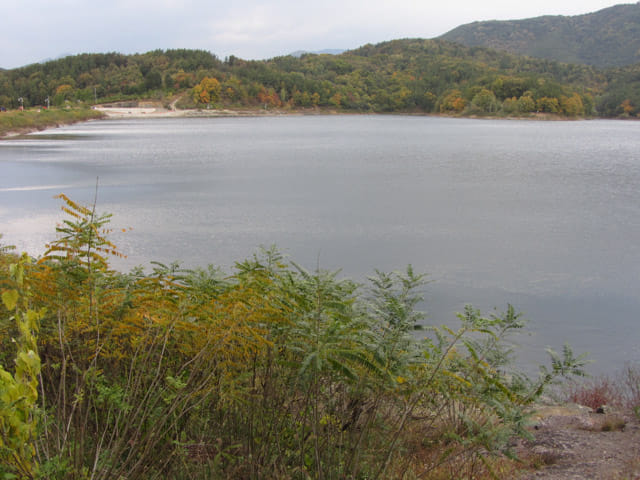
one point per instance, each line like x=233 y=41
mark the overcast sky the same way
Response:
x=35 y=30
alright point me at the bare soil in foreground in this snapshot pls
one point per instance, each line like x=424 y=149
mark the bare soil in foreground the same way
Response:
x=573 y=442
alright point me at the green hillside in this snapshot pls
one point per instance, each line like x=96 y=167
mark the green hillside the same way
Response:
x=409 y=76
x=609 y=37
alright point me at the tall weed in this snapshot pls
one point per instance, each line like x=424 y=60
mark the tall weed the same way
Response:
x=270 y=371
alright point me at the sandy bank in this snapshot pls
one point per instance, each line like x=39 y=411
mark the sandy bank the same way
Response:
x=157 y=112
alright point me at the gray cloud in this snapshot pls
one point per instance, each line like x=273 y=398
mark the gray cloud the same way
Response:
x=40 y=29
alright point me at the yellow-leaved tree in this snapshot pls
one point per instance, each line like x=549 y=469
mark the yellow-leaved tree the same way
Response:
x=207 y=91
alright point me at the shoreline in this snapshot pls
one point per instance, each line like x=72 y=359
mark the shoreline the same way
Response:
x=160 y=112
x=20 y=123
x=153 y=111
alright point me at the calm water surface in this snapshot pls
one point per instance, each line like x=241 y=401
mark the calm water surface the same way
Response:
x=544 y=215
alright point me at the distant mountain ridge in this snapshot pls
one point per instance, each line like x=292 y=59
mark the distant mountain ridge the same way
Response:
x=327 y=51
x=606 y=38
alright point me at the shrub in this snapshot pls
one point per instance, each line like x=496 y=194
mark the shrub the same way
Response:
x=271 y=371
x=621 y=390
x=595 y=393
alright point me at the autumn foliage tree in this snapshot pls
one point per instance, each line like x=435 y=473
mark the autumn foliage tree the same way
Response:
x=627 y=107
x=548 y=105
x=207 y=91
x=454 y=102
x=269 y=97
x=572 y=106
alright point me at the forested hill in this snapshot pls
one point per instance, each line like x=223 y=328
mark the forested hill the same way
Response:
x=606 y=38
x=409 y=75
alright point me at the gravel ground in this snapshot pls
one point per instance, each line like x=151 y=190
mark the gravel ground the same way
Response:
x=572 y=442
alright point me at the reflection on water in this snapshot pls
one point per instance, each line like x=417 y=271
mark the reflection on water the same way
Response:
x=545 y=215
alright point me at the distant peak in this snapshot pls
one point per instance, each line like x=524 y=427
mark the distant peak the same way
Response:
x=326 y=51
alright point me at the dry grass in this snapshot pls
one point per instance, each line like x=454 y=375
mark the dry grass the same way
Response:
x=537 y=461
x=39 y=119
x=613 y=423
x=430 y=465
x=433 y=452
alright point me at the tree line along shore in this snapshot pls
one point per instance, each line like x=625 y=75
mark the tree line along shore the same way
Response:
x=400 y=76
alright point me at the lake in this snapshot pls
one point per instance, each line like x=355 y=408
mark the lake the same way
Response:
x=543 y=215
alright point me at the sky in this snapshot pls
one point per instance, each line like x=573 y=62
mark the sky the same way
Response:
x=37 y=30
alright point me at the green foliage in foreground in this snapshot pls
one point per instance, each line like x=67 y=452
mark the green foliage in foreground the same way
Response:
x=18 y=391
x=268 y=372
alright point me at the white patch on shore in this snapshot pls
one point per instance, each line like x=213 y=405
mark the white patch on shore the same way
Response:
x=32 y=188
